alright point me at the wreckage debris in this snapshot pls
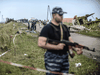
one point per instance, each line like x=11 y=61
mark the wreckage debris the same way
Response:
x=99 y=25
x=79 y=28
x=23 y=28
x=32 y=31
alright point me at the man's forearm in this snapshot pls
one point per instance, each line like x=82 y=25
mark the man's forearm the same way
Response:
x=49 y=46
x=42 y=43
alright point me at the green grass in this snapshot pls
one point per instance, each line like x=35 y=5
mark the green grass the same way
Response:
x=26 y=44
x=35 y=56
x=88 y=66
x=6 y=31
x=90 y=33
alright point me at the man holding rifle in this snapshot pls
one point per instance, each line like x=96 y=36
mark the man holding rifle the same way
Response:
x=56 y=56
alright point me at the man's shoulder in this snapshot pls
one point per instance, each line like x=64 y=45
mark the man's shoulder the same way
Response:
x=48 y=25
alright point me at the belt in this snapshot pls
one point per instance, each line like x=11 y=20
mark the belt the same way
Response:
x=62 y=53
x=58 y=52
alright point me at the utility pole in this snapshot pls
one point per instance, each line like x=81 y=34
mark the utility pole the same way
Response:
x=48 y=11
x=2 y=18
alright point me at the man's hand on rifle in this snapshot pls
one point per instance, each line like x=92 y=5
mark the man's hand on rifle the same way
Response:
x=78 y=49
x=60 y=46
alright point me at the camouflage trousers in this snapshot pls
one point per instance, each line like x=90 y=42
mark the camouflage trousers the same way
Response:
x=56 y=62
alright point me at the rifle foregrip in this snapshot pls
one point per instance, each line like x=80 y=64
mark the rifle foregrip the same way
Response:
x=76 y=43
x=84 y=47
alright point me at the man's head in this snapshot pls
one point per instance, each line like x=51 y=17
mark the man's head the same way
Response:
x=57 y=14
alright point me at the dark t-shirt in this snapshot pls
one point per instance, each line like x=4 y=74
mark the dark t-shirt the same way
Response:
x=48 y=32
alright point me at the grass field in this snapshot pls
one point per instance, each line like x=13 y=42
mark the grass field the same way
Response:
x=27 y=44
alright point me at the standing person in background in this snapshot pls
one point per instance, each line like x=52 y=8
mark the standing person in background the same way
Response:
x=56 y=56
x=28 y=25
x=33 y=26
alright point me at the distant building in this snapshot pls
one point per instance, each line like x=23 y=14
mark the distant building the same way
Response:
x=68 y=20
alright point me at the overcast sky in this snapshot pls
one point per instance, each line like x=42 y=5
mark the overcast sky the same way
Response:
x=20 y=9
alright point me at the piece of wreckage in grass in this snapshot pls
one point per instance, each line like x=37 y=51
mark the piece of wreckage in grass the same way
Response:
x=82 y=20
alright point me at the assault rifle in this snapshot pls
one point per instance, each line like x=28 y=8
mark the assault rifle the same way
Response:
x=69 y=43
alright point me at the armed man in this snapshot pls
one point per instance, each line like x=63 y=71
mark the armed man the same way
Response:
x=56 y=56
